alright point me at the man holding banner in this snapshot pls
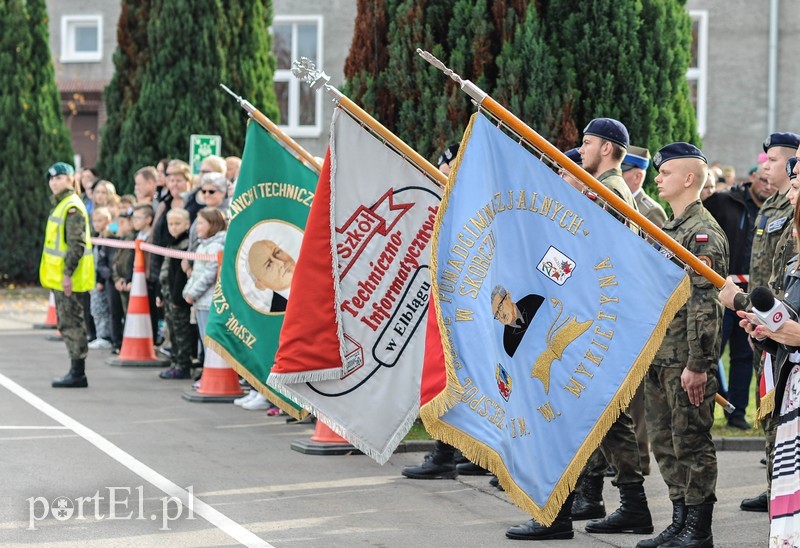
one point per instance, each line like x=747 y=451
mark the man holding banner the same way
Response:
x=603 y=149
x=680 y=385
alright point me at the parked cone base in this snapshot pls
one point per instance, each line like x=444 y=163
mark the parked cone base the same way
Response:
x=324 y=441
x=55 y=338
x=217 y=383
x=205 y=398
x=117 y=362
x=308 y=447
x=44 y=326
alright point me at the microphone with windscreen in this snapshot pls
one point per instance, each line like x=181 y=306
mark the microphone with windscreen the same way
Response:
x=769 y=311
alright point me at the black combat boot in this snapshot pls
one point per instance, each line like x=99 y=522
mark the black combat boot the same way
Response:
x=678 y=521
x=589 y=499
x=696 y=532
x=759 y=503
x=633 y=515
x=471 y=469
x=533 y=530
x=439 y=464
x=76 y=378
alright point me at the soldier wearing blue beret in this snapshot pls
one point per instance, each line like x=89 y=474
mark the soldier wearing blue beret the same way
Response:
x=680 y=385
x=634 y=171
x=575 y=156
x=603 y=147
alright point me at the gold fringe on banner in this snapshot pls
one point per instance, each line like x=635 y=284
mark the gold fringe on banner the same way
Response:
x=486 y=457
x=767 y=405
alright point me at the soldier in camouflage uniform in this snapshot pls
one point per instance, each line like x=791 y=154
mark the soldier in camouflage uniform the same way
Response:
x=602 y=151
x=67 y=268
x=634 y=171
x=680 y=385
x=774 y=219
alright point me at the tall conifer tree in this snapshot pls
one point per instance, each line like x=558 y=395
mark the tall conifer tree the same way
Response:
x=368 y=58
x=122 y=92
x=34 y=135
x=189 y=57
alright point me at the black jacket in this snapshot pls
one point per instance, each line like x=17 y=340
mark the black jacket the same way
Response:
x=736 y=213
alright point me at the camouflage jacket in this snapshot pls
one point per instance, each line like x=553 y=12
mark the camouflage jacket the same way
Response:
x=612 y=179
x=785 y=250
x=693 y=337
x=74 y=233
x=651 y=209
x=773 y=217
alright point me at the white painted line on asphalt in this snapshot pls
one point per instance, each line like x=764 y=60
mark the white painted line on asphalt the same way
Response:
x=33 y=428
x=214 y=517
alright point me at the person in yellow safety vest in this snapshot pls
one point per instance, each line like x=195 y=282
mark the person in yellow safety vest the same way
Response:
x=67 y=267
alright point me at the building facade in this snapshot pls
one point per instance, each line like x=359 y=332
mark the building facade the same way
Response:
x=744 y=74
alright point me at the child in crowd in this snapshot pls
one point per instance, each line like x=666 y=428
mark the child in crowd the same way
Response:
x=142 y=219
x=122 y=266
x=172 y=280
x=199 y=289
x=101 y=313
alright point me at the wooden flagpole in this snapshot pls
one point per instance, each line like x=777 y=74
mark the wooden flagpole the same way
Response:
x=305 y=70
x=275 y=131
x=523 y=130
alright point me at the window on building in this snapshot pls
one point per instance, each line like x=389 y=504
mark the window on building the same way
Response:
x=81 y=38
x=697 y=74
x=300 y=107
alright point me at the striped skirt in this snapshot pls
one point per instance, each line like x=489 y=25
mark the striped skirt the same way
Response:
x=784 y=508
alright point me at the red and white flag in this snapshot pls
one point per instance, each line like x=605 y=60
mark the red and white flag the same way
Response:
x=353 y=338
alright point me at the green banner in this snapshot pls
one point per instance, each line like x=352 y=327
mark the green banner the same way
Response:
x=269 y=210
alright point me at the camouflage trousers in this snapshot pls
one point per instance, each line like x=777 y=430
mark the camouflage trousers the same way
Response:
x=180 y=329
x=598 y=463
x=680 y=435
x=71 y=323
x=620 y=448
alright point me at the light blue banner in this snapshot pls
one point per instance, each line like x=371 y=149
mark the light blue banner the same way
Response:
x=552 y=311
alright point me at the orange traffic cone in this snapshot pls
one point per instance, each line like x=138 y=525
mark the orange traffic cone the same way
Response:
x=51 y=320
x=137 y=339
x=324 y=441
x=219 y=383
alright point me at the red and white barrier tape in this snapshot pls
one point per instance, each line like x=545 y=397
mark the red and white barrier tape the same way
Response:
x=158 y=250
x=739 y=278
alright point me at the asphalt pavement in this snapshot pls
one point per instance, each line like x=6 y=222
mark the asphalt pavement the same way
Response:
x=117 y=464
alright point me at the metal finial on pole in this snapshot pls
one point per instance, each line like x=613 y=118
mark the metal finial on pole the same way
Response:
x=477 y=94
x=276 y=132
x=305 y=71
x=244 y=103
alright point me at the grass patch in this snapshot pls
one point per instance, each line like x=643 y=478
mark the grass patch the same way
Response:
x=418 y=432
x=721 y=428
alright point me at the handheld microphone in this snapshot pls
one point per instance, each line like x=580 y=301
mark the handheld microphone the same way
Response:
x=770 y=312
